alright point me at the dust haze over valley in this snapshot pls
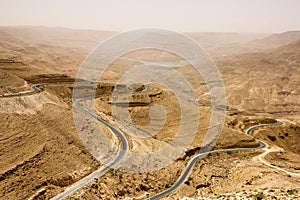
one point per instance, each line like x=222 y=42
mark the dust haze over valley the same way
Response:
x=46 y=153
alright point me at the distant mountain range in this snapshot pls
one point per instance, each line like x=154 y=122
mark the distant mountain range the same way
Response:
x=217 y=44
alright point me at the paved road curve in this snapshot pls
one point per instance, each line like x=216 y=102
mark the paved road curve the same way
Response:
x=122 y=152
x=193 y=161
x=37 y=88
x=96 y=174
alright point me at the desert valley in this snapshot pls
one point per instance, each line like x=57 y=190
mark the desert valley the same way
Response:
x=41 y=153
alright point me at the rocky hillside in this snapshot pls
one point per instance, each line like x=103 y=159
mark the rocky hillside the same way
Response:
x=264 y=82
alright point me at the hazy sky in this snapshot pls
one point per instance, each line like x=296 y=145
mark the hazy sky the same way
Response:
x=180 y=15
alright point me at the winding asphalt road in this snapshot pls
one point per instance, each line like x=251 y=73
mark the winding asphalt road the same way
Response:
x=121 y=154
x=193 y=161
x=35 y=89
x=124 y=149
x=96 y=174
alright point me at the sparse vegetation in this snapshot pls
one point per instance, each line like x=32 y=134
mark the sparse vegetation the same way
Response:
x=292 y=191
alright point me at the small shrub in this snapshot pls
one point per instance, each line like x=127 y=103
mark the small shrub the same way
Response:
x=260 y=196
x=187 y=183
x=291 y=192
